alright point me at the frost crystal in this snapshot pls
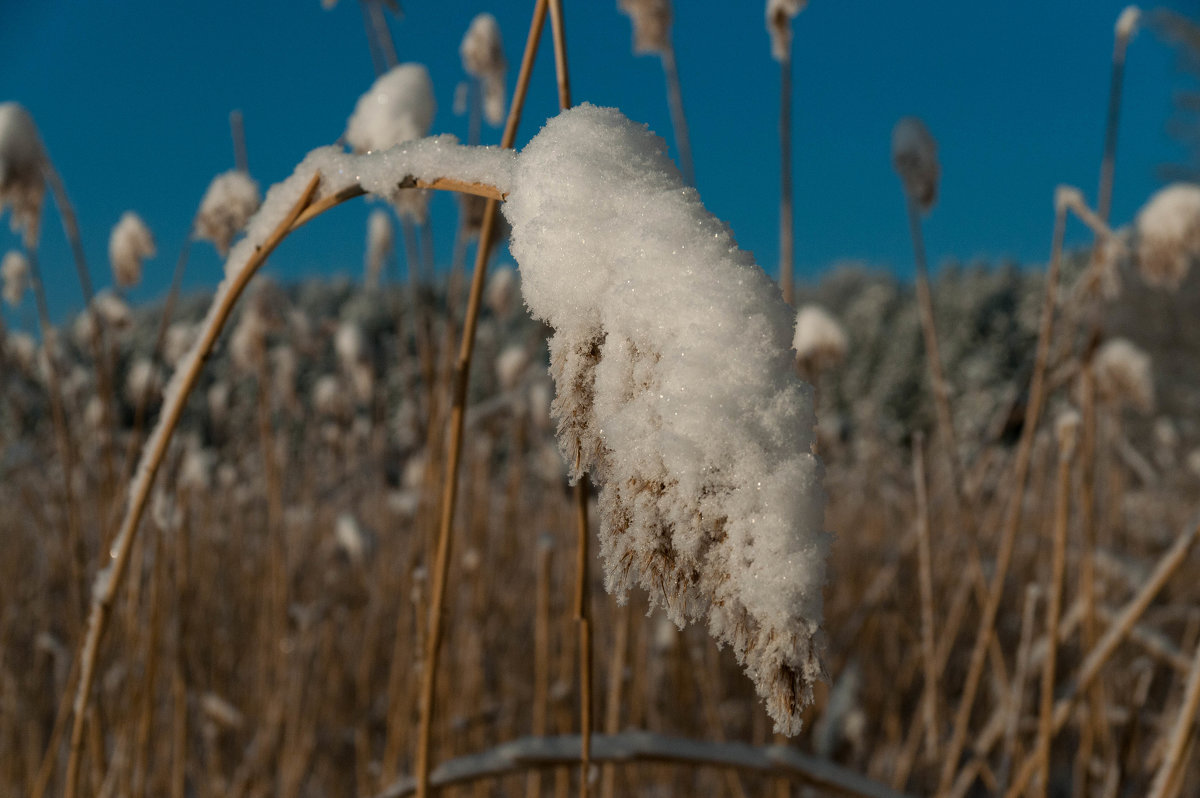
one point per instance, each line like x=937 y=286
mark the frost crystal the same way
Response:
x=128 y=245
x=482 y=54
x=779 y=25
x=14 y=271
x=22 y=160
x=1168 y=234
x=710 y=495
x=232 y=198
x=914 y=156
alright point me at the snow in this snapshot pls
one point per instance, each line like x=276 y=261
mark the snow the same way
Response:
x=128 y=245
x=482 y=52
x=914 y=157
x=672 y=359
x=14 y=271
x=398 y=107
x=1126 y=26
x=779 y=25
x=1167 y=233
x=819 y=339
x=231 y=199
x=22 y=159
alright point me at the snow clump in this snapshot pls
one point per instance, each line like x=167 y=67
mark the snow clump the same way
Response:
x=710 y=494
x=232 y=198
x=128 y=245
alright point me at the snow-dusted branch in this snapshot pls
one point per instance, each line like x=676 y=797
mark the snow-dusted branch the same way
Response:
x=634 y=747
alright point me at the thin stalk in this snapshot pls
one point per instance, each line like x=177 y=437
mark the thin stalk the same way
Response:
x=1012 y=521
x=378 y=62
x=237 y=131
x=925 y=574
x=787 y=235
x=678 y=119
x=106 y=588
x=937 y=376
x=583 y=616
x=1122 y=625
x=1108 y=165
x=1169 y=779
x=1062 y=508
x=457 y=417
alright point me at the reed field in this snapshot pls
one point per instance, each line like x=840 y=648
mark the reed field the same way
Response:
x=626 y=516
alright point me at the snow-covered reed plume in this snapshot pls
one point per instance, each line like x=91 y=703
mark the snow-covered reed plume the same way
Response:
x=1127 y=24
x=128 y=245
x=14 y=271
x=112 y=310
x=22 y=161
x=398 y=107
x=482 y=53
x=511 y=365
x=1167 y=231
x=651 y=24
x=353 y=352
x=231 y=199
x=381 y=240
x=1124 y=376
x=710 y=495
x=143 y=379
x=502 y=291
x=820 y=342
x=779 y=25
x=914 y=156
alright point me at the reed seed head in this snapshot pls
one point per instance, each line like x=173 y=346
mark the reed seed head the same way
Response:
x=780 y=14
x=22 y=164
x=820 y=342
x=651 y=24
x=482 y=52
x=14 y=271
x=914 y=157
x=1167 y=235
x=230 y=201
x=128 y=245
x=1124 y=376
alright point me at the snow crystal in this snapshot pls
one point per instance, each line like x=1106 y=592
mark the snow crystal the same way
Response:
x=381 y=239
x=651 y=24
x=128 y=245
x=673 y=363
x=482 y=54
x=1167 y=232
x=779 y=25
x=914 y=157
x=231 y=199
x=22 y=160
x=14 y=271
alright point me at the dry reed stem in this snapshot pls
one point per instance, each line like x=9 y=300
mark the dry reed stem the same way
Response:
x=925 y=577
x=1114 y=636
x=1053 y=610
x=237 y=132
x=612 y=702
x=937 y=375
x=787 y=233
x=1169 y=779
x=171 y=413
x=644 y=747
x=1013 y=517
x=141 y=766
x=678 y=119
x=583 y=616
x=1108 y=163
x=1015 y=698
x=457 y=415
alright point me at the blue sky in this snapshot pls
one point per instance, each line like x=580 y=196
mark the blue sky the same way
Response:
x=132 y=99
